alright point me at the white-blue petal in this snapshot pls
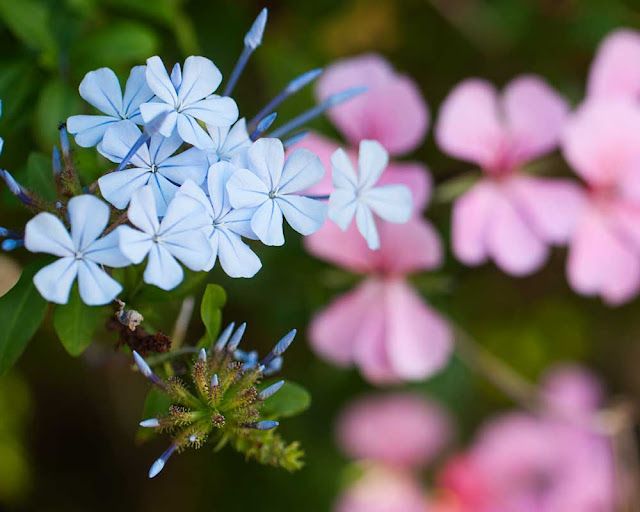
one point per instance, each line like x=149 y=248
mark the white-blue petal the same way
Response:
x=136 y=92
x=236 y=258
x=162 y=269
x=266 y=160
x=117 y=187
x=342 y=172
x=184 y=214
x=301 y=170
x=342 y=207
x=200 y=79
x=163 y=192
x=149 y=111
x=46 y=233
x=246 y=190
x=217 y=178
x=367 y=226
x=303 y=214
x=161 y=147
x=55 y=280
x=159 y=82
x=214 y=111
x=89 y=130
x=372 y=161
x=88 y=217
x=106 y=251
x=192 y=248
x=134 y=244
x=101 y=89
x=119 y=139
x=391 y=202
x=267 y=223
x=191 y=132
x=96 y=287
x=142 y=211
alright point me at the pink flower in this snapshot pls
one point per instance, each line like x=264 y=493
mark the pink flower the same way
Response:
x=522 y=463
x=401 y=430
x=383 y=490
x=508 y=216
x=601 y=142
x=391 y=111
x=615 y=71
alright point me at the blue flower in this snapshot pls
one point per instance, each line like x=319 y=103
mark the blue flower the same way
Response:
x=179 y=236
x=356 y=195
x=270 y=185
x=224 y=143
x=226 y=225
x=153 y=165
x=81 y=253
x=187 y=98
x=102 y=90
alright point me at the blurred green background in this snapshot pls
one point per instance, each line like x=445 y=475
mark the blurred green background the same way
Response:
x=67 y=425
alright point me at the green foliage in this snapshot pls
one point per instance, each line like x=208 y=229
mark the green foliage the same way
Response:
x=56 y=102
x=39 y=176
x=291 y=400
x=22 y=310
x=213 y=301
x=270 y=449
x=155 y=404
x=75 y=323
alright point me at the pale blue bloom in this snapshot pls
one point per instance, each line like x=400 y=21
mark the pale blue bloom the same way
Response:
x=355 y=194
x=270 y=185
x=178 y=237
x=101 y=89
x=186 y=98
x=223 y=143
x=226 y=225
x=81 y=254
x=154 y=164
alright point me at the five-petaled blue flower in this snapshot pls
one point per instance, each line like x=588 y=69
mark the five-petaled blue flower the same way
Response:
x=81 y=253
x=270 y=186
x=102 y=90
x=186 y=98
x=153 y=164
x=224 y=143
x=226 y=226
x=355 y=193
x=179 y=236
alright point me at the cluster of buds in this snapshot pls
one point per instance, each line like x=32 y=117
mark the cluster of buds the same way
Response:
x=224 y=403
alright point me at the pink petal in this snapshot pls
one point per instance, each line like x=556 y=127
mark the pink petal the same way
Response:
x=511 y=242
x=334 y=331
x=535 y=114
x=401 y=429
x=471 y=217
x=571 y=389
x=601 y=141
x=324 y=148
x=551 y=206
x=392 y=111
x=419 y=340
x=601 y=262
x=615 y=71
x=469 y=126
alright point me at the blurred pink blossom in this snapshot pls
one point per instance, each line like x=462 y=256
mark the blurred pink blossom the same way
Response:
x=401 y=430
x=615 y=71
x=382 y=489
x=507 y=216
x=551 y=463
x=601 y=142
x=383 y=326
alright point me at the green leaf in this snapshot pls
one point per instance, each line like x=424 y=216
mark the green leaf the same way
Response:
x=22 y=310
x=75 y=323
x=213 y=301
x=156 y=404
x=39 y=176
x=291 y=400
x=116 y=44
x=57 y=101
x=30 y=21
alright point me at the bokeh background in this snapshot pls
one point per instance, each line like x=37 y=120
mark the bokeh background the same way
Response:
x=67 y=426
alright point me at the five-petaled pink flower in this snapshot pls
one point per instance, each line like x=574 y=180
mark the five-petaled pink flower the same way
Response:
x=383 y=326
x=554 y=462
x=508 y=216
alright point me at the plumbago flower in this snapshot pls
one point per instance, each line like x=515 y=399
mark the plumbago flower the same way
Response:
x=270 y=185
x=154 y=164
x=520 y=462
x=355 y=194
x=383 y=326
x=101 y=89
x=81 y=254
x=507 y=216
x=179 y=236
x=186 y=98
x=226 y=402
x=224 y=143
x=226 y=226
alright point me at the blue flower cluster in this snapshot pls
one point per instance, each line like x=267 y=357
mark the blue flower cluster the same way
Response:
x=194 y=182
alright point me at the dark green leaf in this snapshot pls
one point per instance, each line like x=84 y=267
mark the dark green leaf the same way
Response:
x=22 y=310
x=156 y=404
x=39 y=176
x=56 y=103
x=75 y=323
x=291 y=400
x=213 y=301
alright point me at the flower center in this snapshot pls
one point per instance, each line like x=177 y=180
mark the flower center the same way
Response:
x=273 y=194
x=78 y=255
x=154 y=168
